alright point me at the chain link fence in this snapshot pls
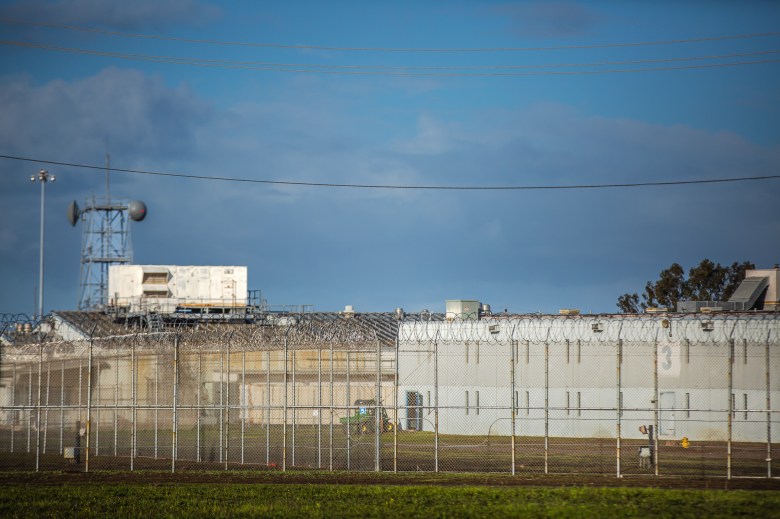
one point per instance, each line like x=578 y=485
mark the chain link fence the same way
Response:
x=595 y=395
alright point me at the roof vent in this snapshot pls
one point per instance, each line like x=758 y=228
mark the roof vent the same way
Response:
x=399 y=313
x=710 y=309
x=654 y=310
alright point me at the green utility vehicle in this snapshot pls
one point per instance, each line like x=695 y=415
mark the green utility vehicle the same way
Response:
x=364 y=418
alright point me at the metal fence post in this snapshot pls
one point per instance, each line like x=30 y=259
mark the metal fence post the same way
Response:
x=768 y=412
x=512 y=399
x=38 y=413
x=134 y=406
x=546 y=405
x=268 y=416
x=436 y=406
x=174 y=423
x=618 y=404
x=731 y=407
x=243 y=402
x=29 y=406
x=378 y=420
x=62 y=406
x=81 y=388
x=46 y=412
x=284 y=411
x=156 y=398
x=319 y=408
x=198 y=457
x=97 y=410
x=332 y=410
x=15 y=413
x=294 y=405
x=656 y=411
x=116 y=402
x=349 y=425
x=395 y=408
x=227 y=405
x=13 y=403
x=89 y=404
x=221 y=404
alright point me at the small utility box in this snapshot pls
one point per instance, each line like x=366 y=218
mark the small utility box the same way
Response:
x=69 y=453
x=644 y=456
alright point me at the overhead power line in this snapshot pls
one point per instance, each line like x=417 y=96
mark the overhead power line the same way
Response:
x=236 y=63
x=388 y=49
x=395 y=186
x=367 y=70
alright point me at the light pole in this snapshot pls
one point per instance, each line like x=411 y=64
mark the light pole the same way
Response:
x=43 y=176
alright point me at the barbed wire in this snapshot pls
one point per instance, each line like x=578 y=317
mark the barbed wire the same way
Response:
x=73 y=334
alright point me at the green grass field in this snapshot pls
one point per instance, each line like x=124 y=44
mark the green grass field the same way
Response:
x=46 y=496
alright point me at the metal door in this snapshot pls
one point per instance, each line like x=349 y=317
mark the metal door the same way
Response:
x=666 y=415
x=414 y=403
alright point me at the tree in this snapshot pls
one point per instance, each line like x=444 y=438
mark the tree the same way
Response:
x=669 y=288
x=735 y=276
x=707 y=281
x=628 y=303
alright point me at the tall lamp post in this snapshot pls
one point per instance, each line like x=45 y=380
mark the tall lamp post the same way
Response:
x=43 y=177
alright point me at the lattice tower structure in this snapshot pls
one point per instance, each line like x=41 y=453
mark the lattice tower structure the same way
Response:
x=105 y=242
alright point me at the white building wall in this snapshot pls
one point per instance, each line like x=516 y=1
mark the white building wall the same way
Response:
x=692 y=374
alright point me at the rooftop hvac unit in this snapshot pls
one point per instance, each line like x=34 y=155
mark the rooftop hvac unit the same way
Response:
x=462 y=309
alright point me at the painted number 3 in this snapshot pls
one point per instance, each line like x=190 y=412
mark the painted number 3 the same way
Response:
x=667 y=353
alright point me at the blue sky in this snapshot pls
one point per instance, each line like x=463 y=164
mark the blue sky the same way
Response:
x=525 y=251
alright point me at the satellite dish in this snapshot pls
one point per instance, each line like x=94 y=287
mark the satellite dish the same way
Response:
x=73 y=213
x=137 y=210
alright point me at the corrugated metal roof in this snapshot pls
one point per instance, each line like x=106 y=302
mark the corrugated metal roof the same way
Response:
x=300 y=327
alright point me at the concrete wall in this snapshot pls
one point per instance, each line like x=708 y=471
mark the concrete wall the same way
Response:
x=575 y=368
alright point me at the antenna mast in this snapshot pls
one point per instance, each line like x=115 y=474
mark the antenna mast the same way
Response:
x=108 y=173
x=105 y=241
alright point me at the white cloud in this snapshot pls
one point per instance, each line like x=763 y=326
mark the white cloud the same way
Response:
x=136 y=115
x=433 y=137
x=120 y=15
x=550 y=19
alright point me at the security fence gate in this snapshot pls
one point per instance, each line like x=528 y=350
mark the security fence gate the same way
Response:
x=523 y=395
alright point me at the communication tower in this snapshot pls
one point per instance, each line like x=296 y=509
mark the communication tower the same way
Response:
x=105 y=241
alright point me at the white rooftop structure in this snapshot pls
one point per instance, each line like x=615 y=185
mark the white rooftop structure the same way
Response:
x=166 y=288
